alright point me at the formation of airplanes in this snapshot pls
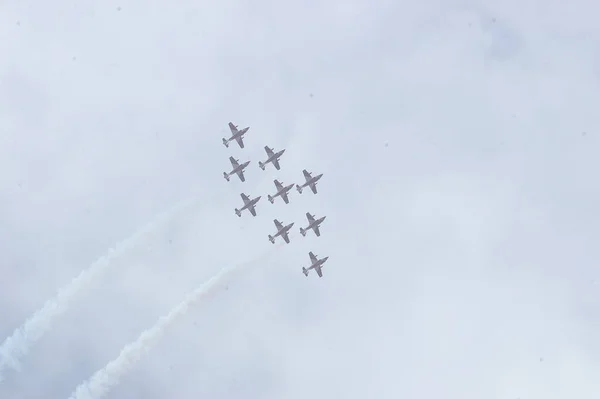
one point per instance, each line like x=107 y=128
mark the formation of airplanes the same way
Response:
x=282 y=191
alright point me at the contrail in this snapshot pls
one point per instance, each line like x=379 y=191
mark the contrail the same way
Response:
x=19 y=343
x=108 y=377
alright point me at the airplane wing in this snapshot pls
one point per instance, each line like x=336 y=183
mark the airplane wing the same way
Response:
x=275 y=163
x=278 y=184
x=240 y=173
x=307 y=174
x=313 y=187
x=285 y=198
x=252 y=210
x=245 y=198
x=240 y=141
x=309 y=217
x=318 y=270
x=234 y=163
x=232 y=128
x=269 y=151
x=278 y=224
x=316 y=229
x=286 y=238
x=313 y=258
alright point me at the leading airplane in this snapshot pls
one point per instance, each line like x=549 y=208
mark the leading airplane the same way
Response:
x=248 y=204
x=271 y=157
x=236 y=135
x=281 y=231
x=281 y=192
x=237 y=168
x=312 y=224
x=317 y=264
x=311 y=181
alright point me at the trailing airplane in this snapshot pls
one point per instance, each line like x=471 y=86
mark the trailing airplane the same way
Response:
x=312 y=224
x=281 y=231
x=311 y=181
x=236 y=135
x=248 y=204
x=271 y=157
x=281 y=192
x=317 y=264
x=237 y=168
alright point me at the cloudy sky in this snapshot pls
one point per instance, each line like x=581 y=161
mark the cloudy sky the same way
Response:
x=459 y=143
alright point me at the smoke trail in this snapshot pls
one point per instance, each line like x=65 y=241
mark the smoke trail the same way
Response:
x=18 y=344
x=108 y=377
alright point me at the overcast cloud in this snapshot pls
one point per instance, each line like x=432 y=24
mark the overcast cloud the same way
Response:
x=459 y=143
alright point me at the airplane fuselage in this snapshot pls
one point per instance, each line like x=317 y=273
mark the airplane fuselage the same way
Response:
x=275 y=156
x=284 y=230
x=316 y=223
x=312 y=180
x=250 y=203
x=284 y=190
x=239 y=134
x=318 y=263
x=240 y=167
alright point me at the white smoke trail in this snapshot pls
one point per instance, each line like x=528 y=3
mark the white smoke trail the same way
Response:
x=104 y=379
x=19 y=343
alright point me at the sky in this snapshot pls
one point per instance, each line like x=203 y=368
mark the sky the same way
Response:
x=458 y=142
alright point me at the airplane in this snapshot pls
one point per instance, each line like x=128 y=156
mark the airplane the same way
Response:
x=312 y=224
x=317 y=264
x=271 y=157
x=248 y=204
x=281 y=231
x=237 y=168
x=236 y=135
x=281 y=192
x=311 y=181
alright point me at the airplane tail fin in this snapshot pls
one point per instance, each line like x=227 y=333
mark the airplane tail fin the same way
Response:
x=237 y=212
x=225 y=143
x=303 y=232
x=299 y=188
x=262 y=165
x=271 y=200
x=271 y=239
x=226 y=176
x=305 y=271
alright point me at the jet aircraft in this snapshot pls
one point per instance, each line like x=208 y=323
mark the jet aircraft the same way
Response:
x=312 y=224
x=248 y=204
x=237 y=168
x=281 y=192
x=271 y=157
x=236 y=135
x=281 y=231
x=317 y=264
x=311 y=181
